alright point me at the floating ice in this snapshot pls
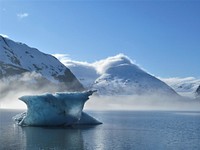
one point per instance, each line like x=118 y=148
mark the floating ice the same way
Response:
x=55 y=110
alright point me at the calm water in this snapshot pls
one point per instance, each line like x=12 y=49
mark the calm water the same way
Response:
x=150 y=130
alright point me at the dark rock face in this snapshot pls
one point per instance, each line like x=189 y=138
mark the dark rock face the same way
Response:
x=197 y=92
x=70 y=81
x=10 y=70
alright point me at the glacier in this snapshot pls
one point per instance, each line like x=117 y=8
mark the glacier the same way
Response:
x=59 y=109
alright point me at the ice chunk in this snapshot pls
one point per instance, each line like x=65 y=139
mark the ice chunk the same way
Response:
x=53 y=109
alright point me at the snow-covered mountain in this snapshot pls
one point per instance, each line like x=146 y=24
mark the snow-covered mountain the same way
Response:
x=118 y=75
x=183 y=86
x=18 y=58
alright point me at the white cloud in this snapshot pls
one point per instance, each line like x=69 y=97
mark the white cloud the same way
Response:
x=4 y=35
x=96 y=68
x=100 y=66
x=84 y=71
x=104 y=64
x=88 y=73
x=22 y=15
x=62 y=57
x=91 y=71
x=67 y=61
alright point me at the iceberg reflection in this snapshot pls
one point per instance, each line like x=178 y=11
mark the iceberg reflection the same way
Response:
x=53 y=138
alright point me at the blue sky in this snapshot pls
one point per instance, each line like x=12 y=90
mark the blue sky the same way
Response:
x=162 y=36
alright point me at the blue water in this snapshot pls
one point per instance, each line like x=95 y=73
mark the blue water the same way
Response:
x=127 y=130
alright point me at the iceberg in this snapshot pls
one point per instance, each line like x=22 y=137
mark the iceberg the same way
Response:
x=59 y=109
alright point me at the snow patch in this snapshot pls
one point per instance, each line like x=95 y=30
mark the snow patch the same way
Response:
x=184 y=86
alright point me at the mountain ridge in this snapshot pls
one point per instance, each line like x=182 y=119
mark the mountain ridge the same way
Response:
x=118 y=75
x=17 y=58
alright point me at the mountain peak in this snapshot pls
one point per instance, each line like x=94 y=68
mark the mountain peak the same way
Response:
x=119 y=75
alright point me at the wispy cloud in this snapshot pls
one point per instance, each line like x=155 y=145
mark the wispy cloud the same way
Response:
x=4 y=35
x=22 y=15
x=91 y=71
x=67 y=61
x=64 y=58
x=100 y=66
x=84 y=71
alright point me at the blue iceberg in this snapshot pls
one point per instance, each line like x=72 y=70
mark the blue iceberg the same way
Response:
x=59 y=109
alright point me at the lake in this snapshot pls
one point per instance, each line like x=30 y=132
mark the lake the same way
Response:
x=121 y=130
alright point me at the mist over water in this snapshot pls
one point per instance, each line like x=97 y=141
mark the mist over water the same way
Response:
x=11 y=88
x=148 y=102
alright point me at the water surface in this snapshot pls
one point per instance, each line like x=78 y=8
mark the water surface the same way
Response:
x=154 y=130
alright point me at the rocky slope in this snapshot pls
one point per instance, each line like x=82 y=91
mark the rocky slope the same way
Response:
x=18 y=58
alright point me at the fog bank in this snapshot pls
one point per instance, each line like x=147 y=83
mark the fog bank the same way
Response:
x=32 y=83
x=150 y=102
x=26 y=84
